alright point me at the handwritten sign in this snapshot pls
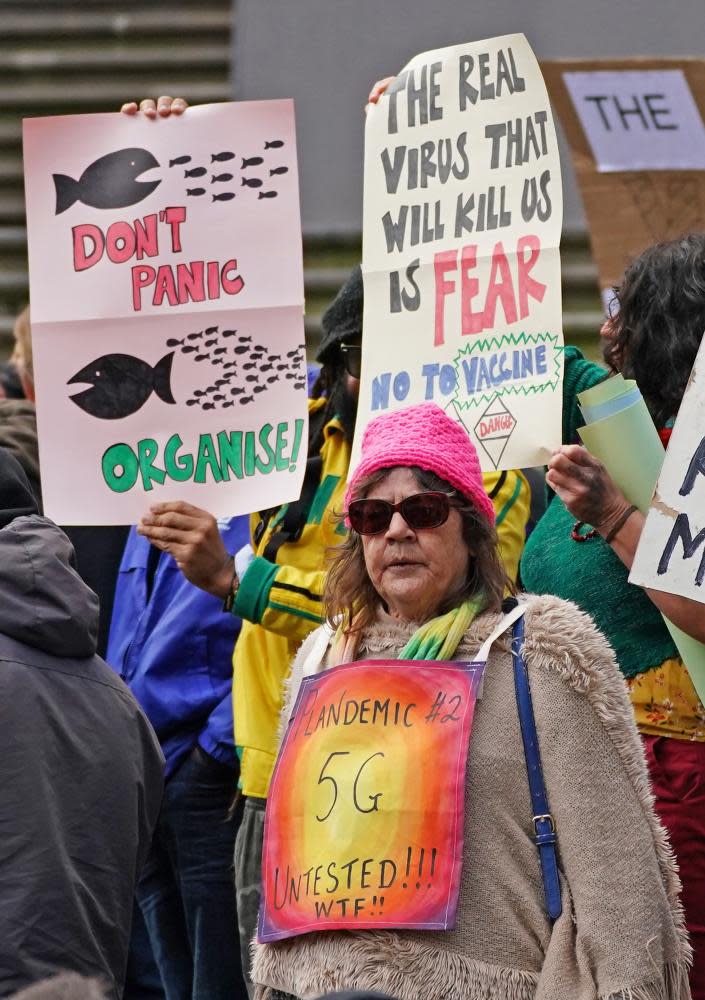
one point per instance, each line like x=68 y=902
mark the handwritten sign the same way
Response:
x=167 y=310
x=671 y=551
x=364 y=823
x=639 y=119
x=462 y=220
x=636 y=134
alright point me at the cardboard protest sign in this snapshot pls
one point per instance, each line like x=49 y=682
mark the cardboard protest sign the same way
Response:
x=166 y=285
x=636 y=134
x=364 y=823
x=671 y=551
x=462 y=221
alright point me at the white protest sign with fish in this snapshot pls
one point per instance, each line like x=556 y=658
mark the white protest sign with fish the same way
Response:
x=166 y=281
x=462 y=221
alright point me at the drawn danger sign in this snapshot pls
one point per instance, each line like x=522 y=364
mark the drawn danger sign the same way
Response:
x=364 y=824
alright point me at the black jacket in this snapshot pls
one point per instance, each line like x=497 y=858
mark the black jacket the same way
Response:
x=81 y=773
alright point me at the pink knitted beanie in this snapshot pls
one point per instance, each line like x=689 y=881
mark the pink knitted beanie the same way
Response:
x=425 y=436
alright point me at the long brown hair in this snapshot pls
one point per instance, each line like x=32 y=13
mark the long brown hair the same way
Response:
x=349 y=594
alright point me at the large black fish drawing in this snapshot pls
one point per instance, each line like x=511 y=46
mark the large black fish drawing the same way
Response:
x=110 y=182
x=120 y=384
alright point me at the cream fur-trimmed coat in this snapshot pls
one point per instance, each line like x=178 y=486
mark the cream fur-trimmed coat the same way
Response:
x=621 y=933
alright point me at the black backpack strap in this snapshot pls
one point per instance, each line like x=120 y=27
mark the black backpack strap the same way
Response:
x=292 y=523
x=296 y=514
x=498 y=486
x=545 y=835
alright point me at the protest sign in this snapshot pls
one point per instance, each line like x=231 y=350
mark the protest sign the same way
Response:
x=166 y=283
x=462 y=220
x=364 y=824
x=636 y=134
x=671 y=551
x=620 y=432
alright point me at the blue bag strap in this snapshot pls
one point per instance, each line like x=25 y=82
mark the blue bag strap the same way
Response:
x=545 y=836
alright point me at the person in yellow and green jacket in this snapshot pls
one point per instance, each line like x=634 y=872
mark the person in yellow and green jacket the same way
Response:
x=276 y=584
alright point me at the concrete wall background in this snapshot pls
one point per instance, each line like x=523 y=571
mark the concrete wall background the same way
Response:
x=327 y=53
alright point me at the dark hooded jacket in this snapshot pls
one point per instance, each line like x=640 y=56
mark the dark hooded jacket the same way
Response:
x=81 y=773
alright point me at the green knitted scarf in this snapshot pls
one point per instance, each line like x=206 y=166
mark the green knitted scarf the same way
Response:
x=439 y=638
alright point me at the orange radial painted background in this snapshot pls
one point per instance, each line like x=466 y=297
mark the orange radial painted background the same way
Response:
x=364 y=820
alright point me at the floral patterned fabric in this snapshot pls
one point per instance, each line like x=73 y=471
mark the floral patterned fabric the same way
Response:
x=666 y=704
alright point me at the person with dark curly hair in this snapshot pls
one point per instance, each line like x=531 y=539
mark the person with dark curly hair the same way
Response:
x=652 y=336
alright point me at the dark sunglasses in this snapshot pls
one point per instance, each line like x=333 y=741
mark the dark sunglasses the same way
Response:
x=420 y=510
x=352 y=358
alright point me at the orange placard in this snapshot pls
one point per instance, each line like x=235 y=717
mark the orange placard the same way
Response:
x=364 y=824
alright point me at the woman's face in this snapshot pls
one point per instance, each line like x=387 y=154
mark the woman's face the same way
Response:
x=414 y=569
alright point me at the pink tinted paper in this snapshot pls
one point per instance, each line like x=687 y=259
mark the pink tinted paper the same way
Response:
x=166 y=284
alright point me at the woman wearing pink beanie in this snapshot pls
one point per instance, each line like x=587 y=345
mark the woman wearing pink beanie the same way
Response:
x=567 y=886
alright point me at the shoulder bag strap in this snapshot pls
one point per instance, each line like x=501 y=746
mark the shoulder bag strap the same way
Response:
x=545 y=836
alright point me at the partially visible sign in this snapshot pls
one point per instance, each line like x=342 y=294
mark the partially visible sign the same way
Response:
x=462 y=223
x=639 y=119
x=364 y=822
x=635 y=130
x=166 y=282
x=671 y=551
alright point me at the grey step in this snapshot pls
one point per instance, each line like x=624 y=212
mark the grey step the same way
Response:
x=13 y=238
x=51 y=21
x=11 y=131
x=582 y=323
x=578 y=272
x=13 y=283
x=325 y=279
x=10 y=169
x=129 y=59
x=12 y=208
x=44 y=98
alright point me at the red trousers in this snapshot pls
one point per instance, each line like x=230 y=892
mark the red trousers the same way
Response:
x=677 y=769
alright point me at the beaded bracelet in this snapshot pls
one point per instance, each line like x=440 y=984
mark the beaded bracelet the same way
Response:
x=577 y=535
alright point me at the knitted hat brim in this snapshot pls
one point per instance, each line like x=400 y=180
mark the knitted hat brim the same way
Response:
x=422 y=458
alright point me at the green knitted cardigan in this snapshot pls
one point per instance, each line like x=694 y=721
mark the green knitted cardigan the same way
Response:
x=589 y=573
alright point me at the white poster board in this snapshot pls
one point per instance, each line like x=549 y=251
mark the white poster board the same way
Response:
x=166 y=283
x=635 y=131
x=462 y=221
x=639 y=119
x=671 y=551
